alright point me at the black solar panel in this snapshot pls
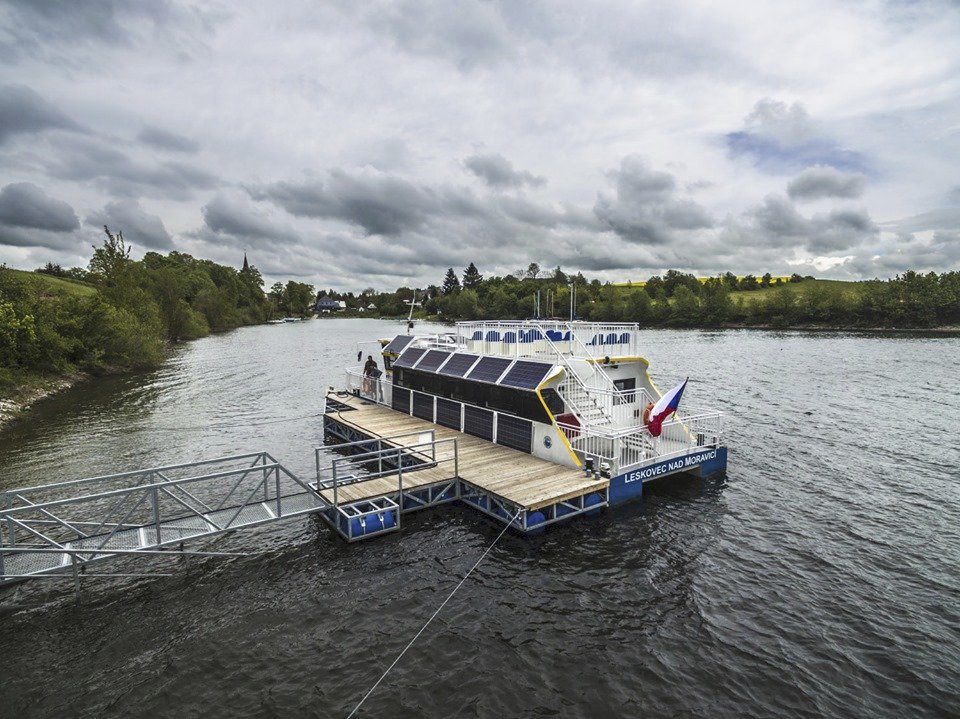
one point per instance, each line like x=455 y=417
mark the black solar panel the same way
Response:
x=409 y=358
x=489 y=369
x=398 y=344
x=458 y=365
x=526 y=375
x=432 y=360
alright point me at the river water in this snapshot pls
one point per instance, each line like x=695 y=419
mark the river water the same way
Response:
x=819 y=578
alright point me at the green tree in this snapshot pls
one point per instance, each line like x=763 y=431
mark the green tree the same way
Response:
x=451 y=283
x=533 y=270
x=472 y=277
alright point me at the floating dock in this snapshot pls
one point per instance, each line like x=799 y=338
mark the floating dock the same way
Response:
x=512 y=486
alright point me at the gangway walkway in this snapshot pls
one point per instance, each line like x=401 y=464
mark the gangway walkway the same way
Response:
x=57 y=529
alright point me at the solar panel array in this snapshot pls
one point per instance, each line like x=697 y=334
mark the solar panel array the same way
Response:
x=458 y=364
x=526 y=375
x=489 y=369
x=409 y=358
x=432 y=360
x=398 y=344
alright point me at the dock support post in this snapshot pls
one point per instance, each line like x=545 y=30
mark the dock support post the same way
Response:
x=76 y=576
x=335 y=510
x=156 y=514
x=279 y=507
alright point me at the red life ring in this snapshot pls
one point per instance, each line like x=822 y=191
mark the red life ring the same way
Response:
x=646 y=414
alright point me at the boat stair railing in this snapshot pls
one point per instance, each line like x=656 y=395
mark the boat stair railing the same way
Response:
x=99 y=518
x=358 y=511
x=623 y=449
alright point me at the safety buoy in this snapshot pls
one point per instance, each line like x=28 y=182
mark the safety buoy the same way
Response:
x=646 y=414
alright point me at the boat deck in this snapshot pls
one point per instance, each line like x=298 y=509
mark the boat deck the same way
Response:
x=517 y=477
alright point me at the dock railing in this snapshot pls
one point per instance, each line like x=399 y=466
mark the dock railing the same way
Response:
x=381 y=511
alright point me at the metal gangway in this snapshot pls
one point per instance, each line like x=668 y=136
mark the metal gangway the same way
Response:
x=56 y=530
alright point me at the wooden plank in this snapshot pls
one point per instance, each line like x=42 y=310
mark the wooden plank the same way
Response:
x=515 y=476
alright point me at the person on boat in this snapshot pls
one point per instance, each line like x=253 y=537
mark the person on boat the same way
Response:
x=370 y=375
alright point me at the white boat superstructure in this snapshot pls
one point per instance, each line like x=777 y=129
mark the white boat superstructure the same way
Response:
x=573 y=393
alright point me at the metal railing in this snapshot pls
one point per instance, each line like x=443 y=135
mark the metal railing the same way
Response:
x=376 y=389
x=144 y=509
x=381 y=511
x=625 y=448
x=584 y=339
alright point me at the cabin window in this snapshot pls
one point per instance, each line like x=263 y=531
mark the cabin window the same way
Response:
x=627 y=388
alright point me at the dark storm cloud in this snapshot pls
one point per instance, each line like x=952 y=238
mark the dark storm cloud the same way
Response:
x=646 y=209
x=25 y=205
x=139 y=227
x=23 y=111
x=169 y=141
x=94 y=160
x=497 y=171
x=820 y=182
x=780 y=138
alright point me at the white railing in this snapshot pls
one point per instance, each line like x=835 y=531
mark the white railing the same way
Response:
x=379 y=390
x=592 y=340
x=624 y=448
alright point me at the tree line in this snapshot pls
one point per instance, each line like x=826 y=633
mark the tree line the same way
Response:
x=677 y=299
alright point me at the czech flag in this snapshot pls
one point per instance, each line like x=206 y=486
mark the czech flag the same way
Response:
x=664 y=408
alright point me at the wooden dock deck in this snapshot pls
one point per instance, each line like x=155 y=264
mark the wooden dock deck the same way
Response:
x=515 y=476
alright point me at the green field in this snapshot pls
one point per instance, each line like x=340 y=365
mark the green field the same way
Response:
x=765 y=293
x=55 y=285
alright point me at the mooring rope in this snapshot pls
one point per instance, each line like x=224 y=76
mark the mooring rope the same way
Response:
x=432 y=616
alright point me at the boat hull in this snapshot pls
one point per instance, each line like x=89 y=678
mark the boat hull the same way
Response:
x=704 y=462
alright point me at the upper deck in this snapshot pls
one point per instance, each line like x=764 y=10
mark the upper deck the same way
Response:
x=539 y=339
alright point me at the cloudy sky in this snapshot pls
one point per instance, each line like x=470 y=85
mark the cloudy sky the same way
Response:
x=377 y=143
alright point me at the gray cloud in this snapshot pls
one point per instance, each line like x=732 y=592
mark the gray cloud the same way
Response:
x=777 y=223
x=138 y=226
x=58 y=30
x=497 y=171
x=25 y=205
x=467 y=34
x=232 y=216
x=168 y=141
x=822 y=181
x=23 y=111
x=645 y=209
x=94 y=160
x=942 y=218
x=380 y=204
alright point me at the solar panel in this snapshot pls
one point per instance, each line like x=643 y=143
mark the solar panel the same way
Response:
x=489 y=369
x=526 y=375
x=409 y=358
x=398 y=344
x=458 y=364
x=432 y=360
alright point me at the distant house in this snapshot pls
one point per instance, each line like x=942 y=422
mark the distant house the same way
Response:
x=371 y=306
x=327 y=305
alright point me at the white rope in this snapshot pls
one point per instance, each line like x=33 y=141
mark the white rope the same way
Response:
x=432 y=616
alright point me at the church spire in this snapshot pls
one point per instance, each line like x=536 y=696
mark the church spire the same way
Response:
x=246 y=265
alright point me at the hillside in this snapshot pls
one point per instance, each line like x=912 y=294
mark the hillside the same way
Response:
x=795 y=288
x=49 y=284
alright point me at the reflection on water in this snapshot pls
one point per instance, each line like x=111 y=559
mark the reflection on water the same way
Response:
x=818 y=579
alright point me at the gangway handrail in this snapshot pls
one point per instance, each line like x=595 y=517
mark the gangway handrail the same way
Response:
x=135 y=472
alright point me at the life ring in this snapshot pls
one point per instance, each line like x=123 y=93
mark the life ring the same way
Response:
x=646 y=414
